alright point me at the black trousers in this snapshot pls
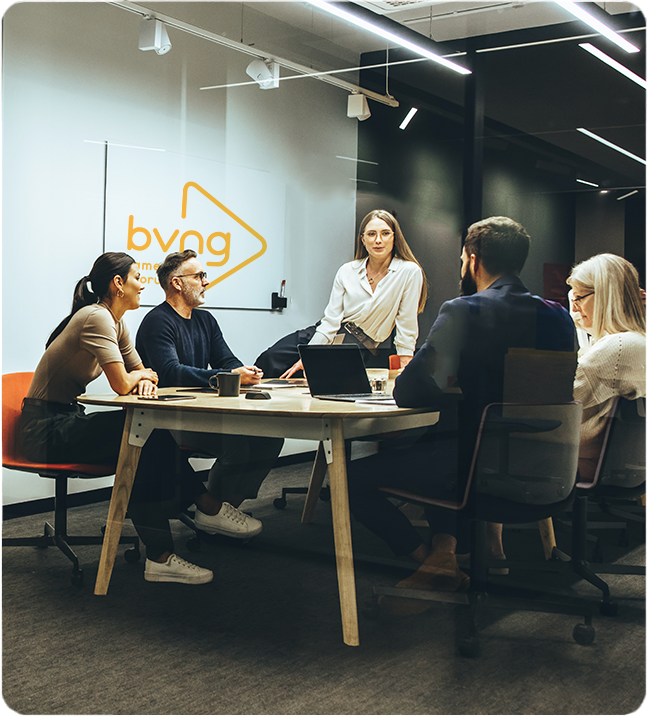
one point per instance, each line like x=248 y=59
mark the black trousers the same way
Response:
x=243 y=461
x=164 y=485
x=425 y=462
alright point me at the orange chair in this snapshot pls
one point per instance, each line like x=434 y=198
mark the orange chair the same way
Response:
x=394 y=362
x=14 y=389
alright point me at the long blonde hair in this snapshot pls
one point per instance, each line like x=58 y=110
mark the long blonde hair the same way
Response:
x=618 y=306
x=401 y=248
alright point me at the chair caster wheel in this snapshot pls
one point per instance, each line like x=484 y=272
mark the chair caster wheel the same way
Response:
x=608 y=609
x=583 y=634
x=132 y=555
x=469 y=647
x=77 y=578
x=280 y=503
x=193 y=544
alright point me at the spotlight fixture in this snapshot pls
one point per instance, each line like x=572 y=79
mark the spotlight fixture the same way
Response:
x=358 y=107
x=578 y=11
x=613 y=63
x=408 y=118
x=334 y=9
x=153 y=36
x=587 y=133
x=265 y=74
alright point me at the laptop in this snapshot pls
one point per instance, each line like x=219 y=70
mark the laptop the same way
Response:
x=337 y=372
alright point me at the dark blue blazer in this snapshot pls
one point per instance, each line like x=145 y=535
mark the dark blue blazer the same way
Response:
x=468 y=341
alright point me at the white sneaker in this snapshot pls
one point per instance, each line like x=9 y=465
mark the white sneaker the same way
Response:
x=176 y=569
x=229 y=521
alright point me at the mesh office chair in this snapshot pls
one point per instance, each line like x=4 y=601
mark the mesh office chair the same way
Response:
x=14 y=389
x=523 y=469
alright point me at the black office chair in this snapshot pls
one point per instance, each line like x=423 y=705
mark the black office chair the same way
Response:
x=619 y=478
x=523 y=469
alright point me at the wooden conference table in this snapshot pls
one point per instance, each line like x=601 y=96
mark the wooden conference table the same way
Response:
x=290 y=413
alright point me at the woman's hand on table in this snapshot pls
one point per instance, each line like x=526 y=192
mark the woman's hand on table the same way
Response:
x=404 y=360
x=291 y=371
x=250 y=375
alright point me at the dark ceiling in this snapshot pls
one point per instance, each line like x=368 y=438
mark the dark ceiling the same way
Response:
x=541 y=94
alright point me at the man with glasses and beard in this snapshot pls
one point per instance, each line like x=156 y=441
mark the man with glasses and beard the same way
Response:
x=466 y=349
x=187 y=348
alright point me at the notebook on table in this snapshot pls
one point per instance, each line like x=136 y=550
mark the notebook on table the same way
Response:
x=337 y=372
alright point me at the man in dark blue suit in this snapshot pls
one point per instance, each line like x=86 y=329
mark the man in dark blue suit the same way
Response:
x=466 y=348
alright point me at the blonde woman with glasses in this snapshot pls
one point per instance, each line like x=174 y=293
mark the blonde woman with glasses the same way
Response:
x=377 y=297
x=607 y=300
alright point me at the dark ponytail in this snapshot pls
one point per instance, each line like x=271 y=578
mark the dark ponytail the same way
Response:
x=105 y=268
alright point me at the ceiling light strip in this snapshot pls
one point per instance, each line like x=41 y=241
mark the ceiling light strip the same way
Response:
x=589 y=183
x=408 y=118
x=630 y=193
x=544 y=42
x=612 y=146
x=582 y=14
x=385 y=34
x=253 y=51
x=613 y=63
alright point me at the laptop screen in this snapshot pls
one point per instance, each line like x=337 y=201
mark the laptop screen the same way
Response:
x=332 y=370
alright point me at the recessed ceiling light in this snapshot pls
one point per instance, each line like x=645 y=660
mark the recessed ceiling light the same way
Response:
x=334 y=9
x=408 y=118
x=613 y=63
x=577 y=10
x=612 y=146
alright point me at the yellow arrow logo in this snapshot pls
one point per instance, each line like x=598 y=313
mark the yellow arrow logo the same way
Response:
x=222 y=207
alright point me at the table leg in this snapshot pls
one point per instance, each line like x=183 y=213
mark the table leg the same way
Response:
x=314 y=487
x=342 y=536
x=124 y=476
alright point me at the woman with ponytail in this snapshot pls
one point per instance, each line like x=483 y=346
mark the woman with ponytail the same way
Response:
x=55 y=427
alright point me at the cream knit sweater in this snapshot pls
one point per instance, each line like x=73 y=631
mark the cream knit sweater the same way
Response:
x=614 y=365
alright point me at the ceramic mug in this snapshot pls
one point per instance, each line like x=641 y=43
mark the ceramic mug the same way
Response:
x=227 y=383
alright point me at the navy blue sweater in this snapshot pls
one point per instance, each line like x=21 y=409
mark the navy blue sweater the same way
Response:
x=183 y=352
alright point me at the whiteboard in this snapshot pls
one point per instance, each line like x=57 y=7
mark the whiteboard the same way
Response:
x=160 y=202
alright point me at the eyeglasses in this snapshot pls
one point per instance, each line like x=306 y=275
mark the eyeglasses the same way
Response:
x=580 y=298
x=384 y=234
x=202 y=275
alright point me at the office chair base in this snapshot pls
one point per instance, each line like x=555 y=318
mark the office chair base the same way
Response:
x=50 y=538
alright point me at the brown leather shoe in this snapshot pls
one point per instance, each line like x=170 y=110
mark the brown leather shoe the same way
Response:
x=439 y=572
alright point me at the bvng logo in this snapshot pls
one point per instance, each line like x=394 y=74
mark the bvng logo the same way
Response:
x=214 y=247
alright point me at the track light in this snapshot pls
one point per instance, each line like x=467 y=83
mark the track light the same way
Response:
x=153 y=36
x=358 y=107
x=266 y=74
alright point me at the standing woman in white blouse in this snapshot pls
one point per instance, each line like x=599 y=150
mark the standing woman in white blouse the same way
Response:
x=607 y=298
x=383 y=288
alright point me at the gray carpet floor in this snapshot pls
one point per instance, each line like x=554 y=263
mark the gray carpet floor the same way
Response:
x=265 y=637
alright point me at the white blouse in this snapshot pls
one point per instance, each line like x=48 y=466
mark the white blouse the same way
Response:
x=393 y=303
x=613 y=365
